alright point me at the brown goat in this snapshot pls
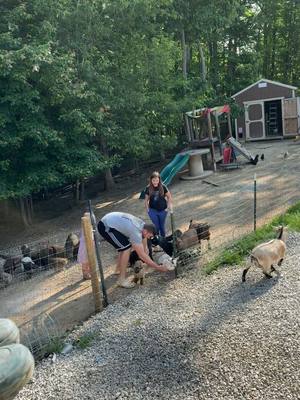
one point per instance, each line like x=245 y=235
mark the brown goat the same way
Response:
x=196 y=232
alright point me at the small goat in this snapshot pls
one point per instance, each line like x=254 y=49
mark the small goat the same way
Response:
x=167 y=261
x=139 y=272
x=268 y=254
x=72 y=246
x=58 y=263
x=137 y=264
x=196 y=232
x=28 y=266
x=5 y=278
x=202 y=229
x=166 y=243
x=11 y=264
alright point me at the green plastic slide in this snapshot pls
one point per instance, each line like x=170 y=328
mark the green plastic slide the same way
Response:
x=171 y=169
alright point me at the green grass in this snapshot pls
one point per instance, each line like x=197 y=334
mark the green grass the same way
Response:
x=55 y=345
x=85 y=340
x=237 y=251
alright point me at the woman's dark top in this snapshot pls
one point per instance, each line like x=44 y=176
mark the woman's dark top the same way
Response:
x=156 y=201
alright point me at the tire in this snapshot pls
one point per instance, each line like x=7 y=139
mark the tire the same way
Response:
x=16 y=369
x=9 y=332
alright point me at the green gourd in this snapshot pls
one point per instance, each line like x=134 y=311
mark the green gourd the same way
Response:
x=9 y=332
x=16 y=369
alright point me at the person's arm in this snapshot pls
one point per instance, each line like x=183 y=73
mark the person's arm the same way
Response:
x=139 y=248
x=147 y=203
x=145 y=245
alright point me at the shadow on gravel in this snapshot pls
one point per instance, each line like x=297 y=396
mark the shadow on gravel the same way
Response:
x=235 y=299
x=162 y=352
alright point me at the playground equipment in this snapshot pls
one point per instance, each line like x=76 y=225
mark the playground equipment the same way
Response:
x=242 y=150
x=196 y=170
x=204 y=129
x=171 y=169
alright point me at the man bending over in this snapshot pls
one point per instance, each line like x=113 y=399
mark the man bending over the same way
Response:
x=125 y=231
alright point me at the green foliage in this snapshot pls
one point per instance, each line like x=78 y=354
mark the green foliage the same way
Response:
x=55 y=345
x=235 y=253
x=85 y=341
x=87 y=84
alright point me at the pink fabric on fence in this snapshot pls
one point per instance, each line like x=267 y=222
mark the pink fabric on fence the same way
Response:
x=82 y=258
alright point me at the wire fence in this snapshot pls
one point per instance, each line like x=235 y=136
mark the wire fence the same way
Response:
x=51 y=297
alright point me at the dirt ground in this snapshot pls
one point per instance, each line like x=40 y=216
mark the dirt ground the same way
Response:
x=225 y=201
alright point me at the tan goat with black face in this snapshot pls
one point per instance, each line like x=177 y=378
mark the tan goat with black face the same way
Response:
x=268 y=254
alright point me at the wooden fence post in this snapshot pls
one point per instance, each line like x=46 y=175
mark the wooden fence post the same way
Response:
x=90 y=249
x=212 y=146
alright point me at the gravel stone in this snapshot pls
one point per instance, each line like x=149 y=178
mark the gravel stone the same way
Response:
x=197 y=337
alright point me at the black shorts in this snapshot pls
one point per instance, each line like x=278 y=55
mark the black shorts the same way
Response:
x=114 y=237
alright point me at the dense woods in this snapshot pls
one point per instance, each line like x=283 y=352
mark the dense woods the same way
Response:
x=85 y=84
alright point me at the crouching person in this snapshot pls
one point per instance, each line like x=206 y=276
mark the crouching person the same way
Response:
x=125 y=231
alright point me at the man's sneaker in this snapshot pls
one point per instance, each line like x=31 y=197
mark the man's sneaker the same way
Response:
x=126 y=284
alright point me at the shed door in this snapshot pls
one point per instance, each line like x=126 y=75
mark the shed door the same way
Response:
x=290 y=116
x=255 y=120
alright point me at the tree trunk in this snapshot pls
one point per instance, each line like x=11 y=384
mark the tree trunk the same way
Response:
x=188 y=57
x=6 y=208
x=136 y=165
x=213 y=52
x=202 y=63
x=77 y=192
x=28 y=210
x=31 y=206
x=184 y=54
x=266 y=40
x=273 y=54
x=82 y=190
x=187 y=128
x=23 y=212
x=109 y=180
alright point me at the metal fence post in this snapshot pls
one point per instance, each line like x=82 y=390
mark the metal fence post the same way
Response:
x=254 y=205
x=97 y=247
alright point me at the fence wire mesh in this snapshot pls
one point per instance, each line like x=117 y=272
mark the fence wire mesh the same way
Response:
x=54 y=297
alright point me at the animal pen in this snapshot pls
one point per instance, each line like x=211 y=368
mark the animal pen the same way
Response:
x=51 y=301
x=206 y=128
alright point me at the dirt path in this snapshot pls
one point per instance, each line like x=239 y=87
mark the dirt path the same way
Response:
x=227 y=207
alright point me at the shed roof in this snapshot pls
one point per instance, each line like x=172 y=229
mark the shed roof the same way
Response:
x=264 y=80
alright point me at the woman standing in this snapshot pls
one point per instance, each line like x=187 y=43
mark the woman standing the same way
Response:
x=157 y=200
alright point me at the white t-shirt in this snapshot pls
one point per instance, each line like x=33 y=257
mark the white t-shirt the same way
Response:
x=129 y=225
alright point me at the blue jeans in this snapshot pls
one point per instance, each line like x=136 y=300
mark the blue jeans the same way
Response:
x=158 y=218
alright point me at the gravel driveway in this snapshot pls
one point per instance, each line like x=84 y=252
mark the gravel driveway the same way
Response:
x=199 y=337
